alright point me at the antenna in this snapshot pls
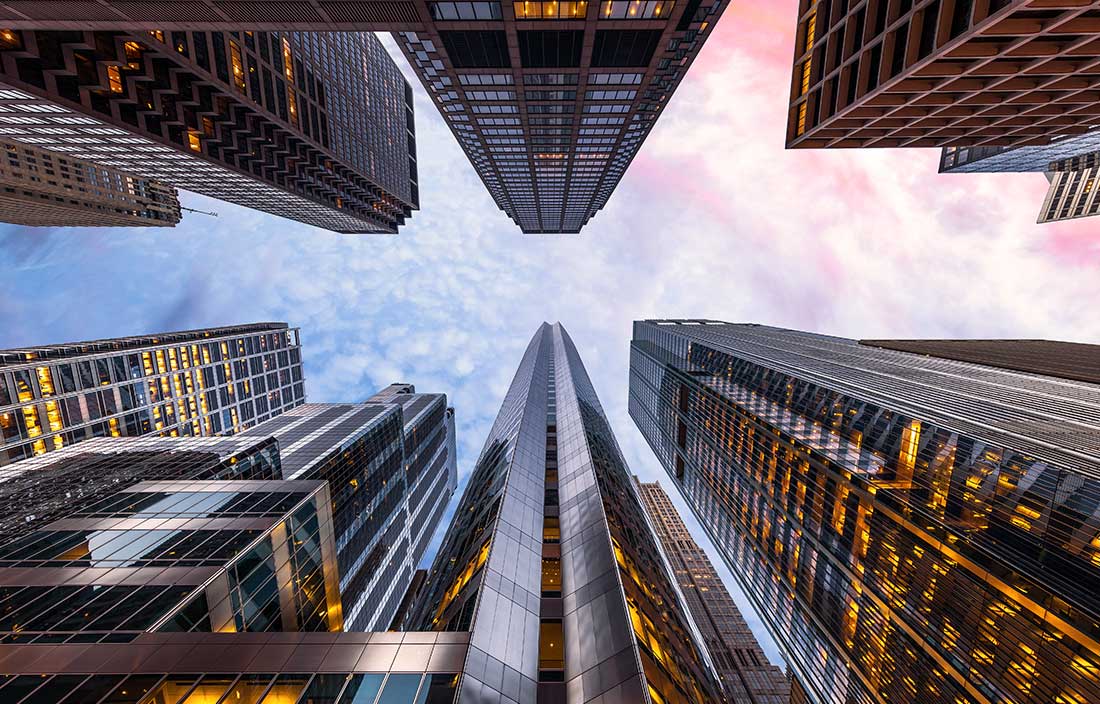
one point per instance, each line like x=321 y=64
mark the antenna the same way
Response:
x=200 y=212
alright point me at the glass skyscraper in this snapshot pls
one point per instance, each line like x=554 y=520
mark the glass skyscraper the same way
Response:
x=747 y=676
x=550 y=564
x=914 y=521
x=391 y=464
x=163 y=570
x=198 y=382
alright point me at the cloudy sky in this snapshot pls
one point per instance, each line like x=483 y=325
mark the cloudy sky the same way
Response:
x=713 y=219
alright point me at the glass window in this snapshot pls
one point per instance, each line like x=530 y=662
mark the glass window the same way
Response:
x=551 y=645
x=362 y=689
x=171 y=689
x=209 y=689
x=92 y=690
x=400 y=689
x=551 y=577
x=322 y=690
x=103 y=372
x=132 y=690
x=54 y=690
x=551 y=530
x=286 y=689
x=5 y=395
x=438 y=689
x=84 y=370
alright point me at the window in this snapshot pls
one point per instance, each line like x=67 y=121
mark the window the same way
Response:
x=550 y=48
x=442 y=11
x=551 y=577
x=635 y=9
x=551 y=530
x=551 y=650
x=550 y=10
x=624 y=47
x=476 y=49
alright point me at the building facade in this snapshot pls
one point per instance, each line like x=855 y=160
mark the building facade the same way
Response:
x=550 y=564
x=38 y=188
x=192 y=383
x=315 y=127
x=936 y=73
x=747 y=676
x=204 y=575
x=910 y=526
x=550 y=101
x=391 y=464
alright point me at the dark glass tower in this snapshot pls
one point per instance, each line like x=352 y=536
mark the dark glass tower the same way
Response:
x=211 y=381
x=550 y=563
x=315 y=127
x=747 y=676
x=916 y=524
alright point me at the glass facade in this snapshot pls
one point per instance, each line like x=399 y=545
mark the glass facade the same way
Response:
x=550 y=564
x=200 y=382
x=747 y=676
x=910 y=527
x=175 y=570
x=391 y=466
x=41 y=189
x=313 y=126
x=551 y=101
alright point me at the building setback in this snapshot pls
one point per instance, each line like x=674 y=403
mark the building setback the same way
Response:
x=550 y=564
x=315 y=127
x=747 y=676
x=935 y=73
x=197 y=382
x=38 y=188
x=912 y=526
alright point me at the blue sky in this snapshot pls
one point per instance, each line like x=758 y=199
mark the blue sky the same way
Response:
x=713 y=219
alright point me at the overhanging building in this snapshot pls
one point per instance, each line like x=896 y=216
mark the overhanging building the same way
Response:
x=747 y=676
x=315 y=127
x=914 y=521
x=938 y=73
x=550 y=564
x=550 y=100
x=197 y=382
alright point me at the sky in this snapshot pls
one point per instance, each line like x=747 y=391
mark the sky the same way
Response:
x=713 y=219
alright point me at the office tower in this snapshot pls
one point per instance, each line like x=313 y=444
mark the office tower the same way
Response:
x=747 y=676
x=197 y=382
x=550 y=564
x=43 y=189
x=935 y=73
x=391 y=462
x=550 y=100
x=206 y=576
x=915 y=524
x=315 y=127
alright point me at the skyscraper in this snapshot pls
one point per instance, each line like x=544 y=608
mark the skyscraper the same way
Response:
x=316 y=127
x=550 y=564
x=391 y=462
x=55 y=190
x=187 y=570
x=936 y=73
x=747 y=676
x=550 y=100
x=197 y=382
x=915 y=521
